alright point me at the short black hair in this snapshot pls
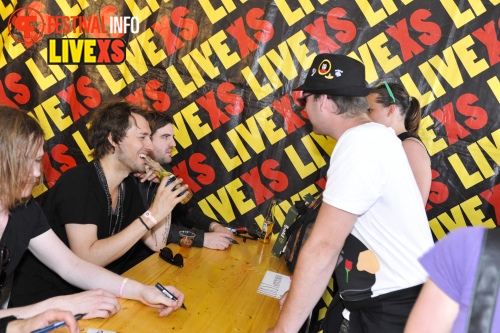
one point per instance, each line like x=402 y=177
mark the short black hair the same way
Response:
x=158 y=120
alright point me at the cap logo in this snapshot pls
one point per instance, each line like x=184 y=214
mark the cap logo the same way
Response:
x=324 y=69
x=338 y=72
x=313 y=71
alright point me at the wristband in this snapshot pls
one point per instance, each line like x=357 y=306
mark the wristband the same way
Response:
x=142 y=221
x=150 y=216
x=122 y=286
x=211 y=228
x=5 y=321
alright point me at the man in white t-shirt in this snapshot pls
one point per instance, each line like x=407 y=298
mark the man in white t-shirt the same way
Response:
x=371 y=227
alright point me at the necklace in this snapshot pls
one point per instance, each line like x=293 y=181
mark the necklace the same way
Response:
x=118 y=213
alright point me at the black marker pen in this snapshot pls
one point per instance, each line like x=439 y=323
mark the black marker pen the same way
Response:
x=57 y=324
x=232 y=240
x=167 y=293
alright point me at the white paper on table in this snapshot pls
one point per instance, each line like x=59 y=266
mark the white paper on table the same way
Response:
x=274 y=284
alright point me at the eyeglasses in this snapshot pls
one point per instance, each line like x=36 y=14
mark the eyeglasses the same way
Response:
x=167 y=255
x=303 y=100
x=390 y=92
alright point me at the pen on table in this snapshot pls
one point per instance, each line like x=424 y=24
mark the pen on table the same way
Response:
x=57 y=324
x=167 y=293
x=232 y=240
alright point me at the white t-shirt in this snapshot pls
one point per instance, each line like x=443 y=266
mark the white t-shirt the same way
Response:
x=370 y=176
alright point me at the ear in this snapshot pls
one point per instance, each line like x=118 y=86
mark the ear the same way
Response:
x=324 y=102
x=391 y=110
x=110 y=139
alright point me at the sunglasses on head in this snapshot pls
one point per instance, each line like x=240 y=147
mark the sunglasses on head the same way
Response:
x=167 y=255
x=303 y=100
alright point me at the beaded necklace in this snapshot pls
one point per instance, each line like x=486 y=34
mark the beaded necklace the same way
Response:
x=118 y=212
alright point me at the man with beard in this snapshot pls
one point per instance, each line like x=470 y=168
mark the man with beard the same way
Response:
x=209 y=234
x=96 y=208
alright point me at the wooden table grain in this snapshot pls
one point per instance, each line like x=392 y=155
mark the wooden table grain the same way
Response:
x=220 y=290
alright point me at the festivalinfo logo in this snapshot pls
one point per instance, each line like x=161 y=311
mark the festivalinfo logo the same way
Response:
x=28 y=26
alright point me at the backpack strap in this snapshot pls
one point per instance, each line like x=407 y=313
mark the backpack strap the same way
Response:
x=485 y=293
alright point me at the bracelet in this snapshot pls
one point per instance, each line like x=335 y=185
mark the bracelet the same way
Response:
x=122 y=286
x=142 y=221
x=212 y=226
x=150 y=216
x=4 y=322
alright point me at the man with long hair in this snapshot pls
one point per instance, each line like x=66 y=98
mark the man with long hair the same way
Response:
x=95 y=208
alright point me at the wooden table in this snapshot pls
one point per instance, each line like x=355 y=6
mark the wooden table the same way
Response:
x=220 y=289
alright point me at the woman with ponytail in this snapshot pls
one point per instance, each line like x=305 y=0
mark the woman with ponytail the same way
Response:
x=392 y=106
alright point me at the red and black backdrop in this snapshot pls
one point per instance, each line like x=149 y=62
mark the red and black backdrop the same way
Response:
x=225 y=70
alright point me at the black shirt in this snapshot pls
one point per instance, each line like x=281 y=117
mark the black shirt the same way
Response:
x=25 y=222
x=77 y=197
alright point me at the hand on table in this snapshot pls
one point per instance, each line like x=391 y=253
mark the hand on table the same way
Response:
x=96 y=303
x=43 y=319
x=217 y=240
x=154 y=298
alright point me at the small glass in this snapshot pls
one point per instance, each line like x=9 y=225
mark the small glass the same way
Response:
x=186 y=238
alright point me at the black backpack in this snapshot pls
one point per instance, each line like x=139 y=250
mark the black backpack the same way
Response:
x=300 y=230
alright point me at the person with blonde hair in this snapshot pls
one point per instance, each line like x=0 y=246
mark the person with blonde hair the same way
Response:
x=23 y=226
x=96 y=209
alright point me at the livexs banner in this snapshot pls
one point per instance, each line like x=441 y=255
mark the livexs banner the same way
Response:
x=225 y=70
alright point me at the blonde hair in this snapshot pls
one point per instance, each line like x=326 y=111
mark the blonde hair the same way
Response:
x=20 y=140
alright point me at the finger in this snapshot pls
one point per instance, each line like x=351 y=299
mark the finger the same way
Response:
x=111 y=308
x=162 y=184
x=181 y=189
x=163 y=312
x=171 y=187
x=178 y=294
x=99 y=314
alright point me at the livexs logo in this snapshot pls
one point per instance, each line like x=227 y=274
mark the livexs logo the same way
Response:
x=28 y=26
x=86 y=51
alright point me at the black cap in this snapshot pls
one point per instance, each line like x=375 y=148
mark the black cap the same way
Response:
x=336 y=75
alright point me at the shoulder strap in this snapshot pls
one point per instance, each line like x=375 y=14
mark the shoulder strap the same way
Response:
x=485 y=292
x=405 y=135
